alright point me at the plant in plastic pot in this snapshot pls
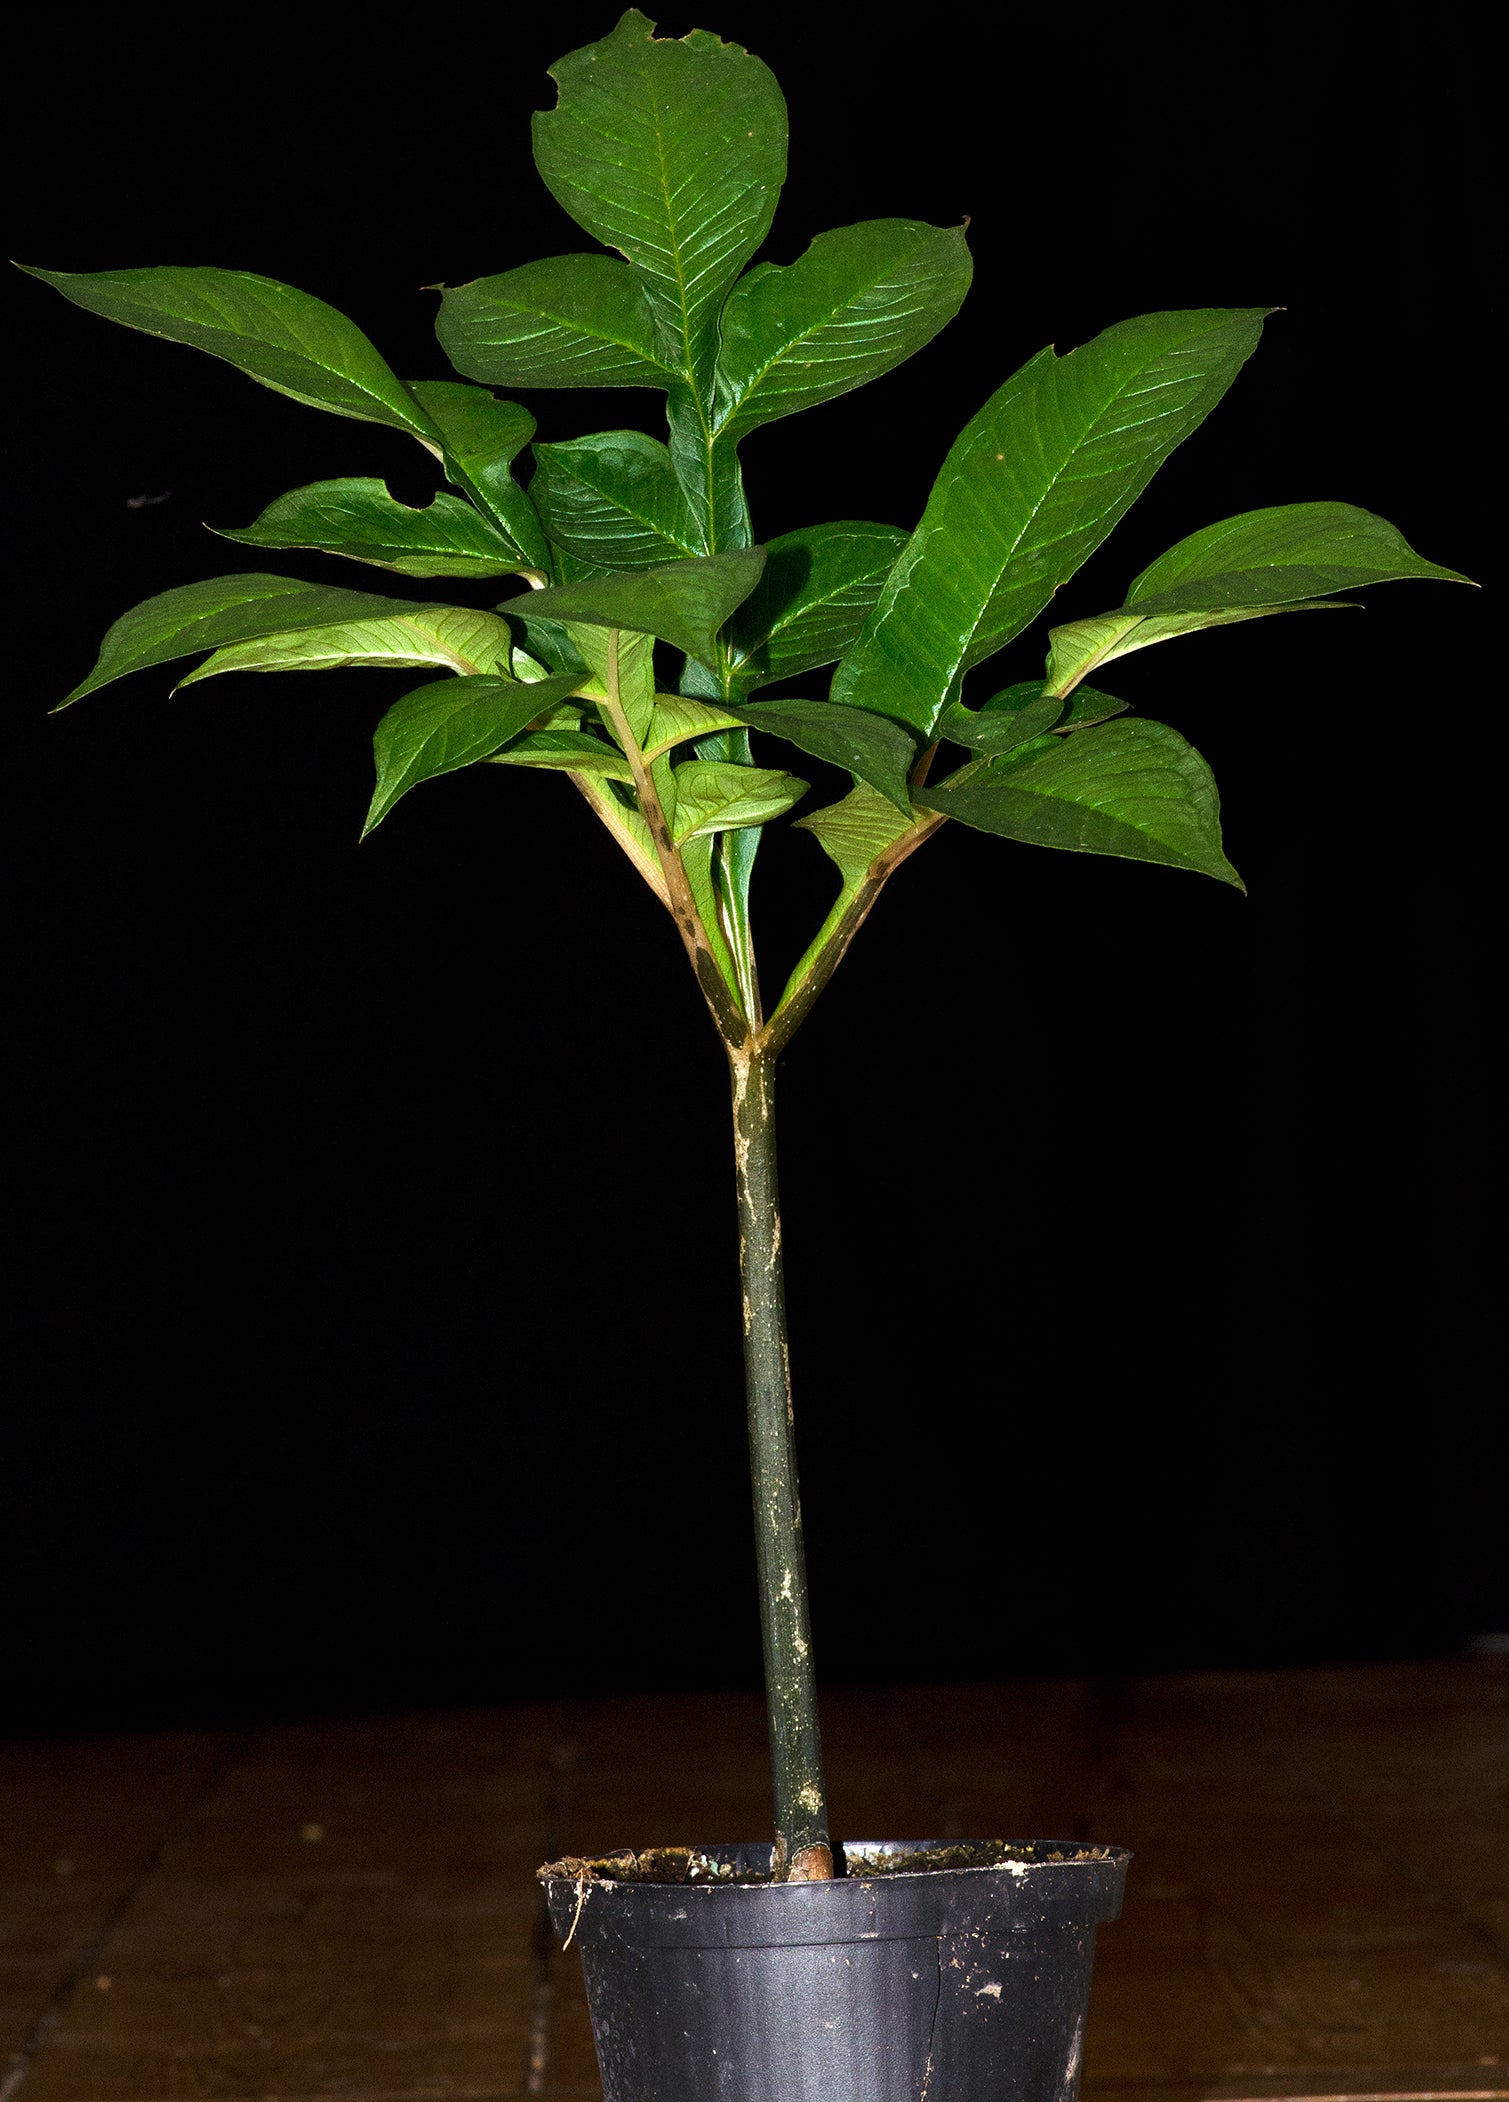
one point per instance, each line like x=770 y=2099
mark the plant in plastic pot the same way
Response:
x=640 y=622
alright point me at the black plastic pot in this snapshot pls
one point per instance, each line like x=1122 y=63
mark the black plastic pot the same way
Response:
x=957 y=1984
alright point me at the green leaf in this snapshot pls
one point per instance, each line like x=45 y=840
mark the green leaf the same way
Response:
x=570 y=321
x=855 y=833
x=551 y=642
x=288 y=340
x=1134 y=789
x=1018 y=713
x=859 y=301
x=449 y=724
x=674 y=154
x=873 y=749
x=224 y=610
x=809 y=605
x=679 y=717
x=1032 y=486
x=684 y=603
x=456 y=636
x=1083 y=646
x=358 y=517
x=567 y=751
x=614 y=500
x=1275 y=556
x=481 y=437
x=712 y=797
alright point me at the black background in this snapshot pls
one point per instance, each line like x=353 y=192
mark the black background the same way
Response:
x=373 y=1212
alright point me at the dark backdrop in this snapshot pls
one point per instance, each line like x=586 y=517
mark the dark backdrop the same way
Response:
x=376 y=1311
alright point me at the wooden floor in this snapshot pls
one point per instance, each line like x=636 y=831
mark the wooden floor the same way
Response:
x=1319 y=1905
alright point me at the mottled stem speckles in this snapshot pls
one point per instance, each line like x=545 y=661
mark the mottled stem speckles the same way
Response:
x=802 y=1852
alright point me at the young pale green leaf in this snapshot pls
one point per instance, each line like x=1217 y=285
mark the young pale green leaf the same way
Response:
x=1083 y=646
x=480 y=438
x=451 y=723
x=818 y=584
x=859 y=301
x=569 y=321
x=872 y=749
x=613 y=500
x=225 y=610
x=358 y=517
x=455 y=636
x=1032 y=486
x=674 y=154
x=1275 y=556
x=712 y=797
x=286 y=339
x=856 y=832
x=684 y=603
x=1133 y=789
x=679 y=718
x=1018 y=713
x=567 y=752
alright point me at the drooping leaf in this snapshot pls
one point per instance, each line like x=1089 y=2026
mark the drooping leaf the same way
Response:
x=678 y=718
x=1133 y=789
x=566 y=751
x=287 y=339
x=455 y=636
x=712 y=797
x=1274 y=556
x=225 y=610
x=449 y=724
x=859 y=301
x=872 y=748
x=684 y=603
x=480 y=438
x=819 y=583
x=1031 y=487
x=357 y=517
x=1024 y=711
x=614 y=500
x=569 y=321
x=673 y=153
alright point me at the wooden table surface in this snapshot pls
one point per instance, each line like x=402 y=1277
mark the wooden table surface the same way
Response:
x=1319 y=1905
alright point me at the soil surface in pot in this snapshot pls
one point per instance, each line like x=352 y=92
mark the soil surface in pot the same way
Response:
x=693 y=1865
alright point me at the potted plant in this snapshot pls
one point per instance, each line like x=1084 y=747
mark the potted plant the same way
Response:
x=643 y=623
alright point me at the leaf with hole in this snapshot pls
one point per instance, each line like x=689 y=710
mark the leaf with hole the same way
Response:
x=449 y=724
x=357 y=517
x=673 y=152
x=1133 y=789
x=1032 y=486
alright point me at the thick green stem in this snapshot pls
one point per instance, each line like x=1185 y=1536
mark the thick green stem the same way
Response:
x=802 y=1850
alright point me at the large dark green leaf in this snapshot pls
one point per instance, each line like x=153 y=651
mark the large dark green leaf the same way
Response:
x=614 y=500
x=570 y=321
x=859 y=301
x=1031 y=487
x=357 y=517
x=1274 y=556
x=818 y=585
x=674 y=154
x=225 y=610
x=1134 y=789
x=872 y=749
x=450 y=723
x=1019 y=713
x=458 y=637
x=284 y=338
x=684 y=603
x=480 y=438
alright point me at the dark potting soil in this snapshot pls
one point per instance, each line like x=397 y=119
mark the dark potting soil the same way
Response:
x=680 y=1865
